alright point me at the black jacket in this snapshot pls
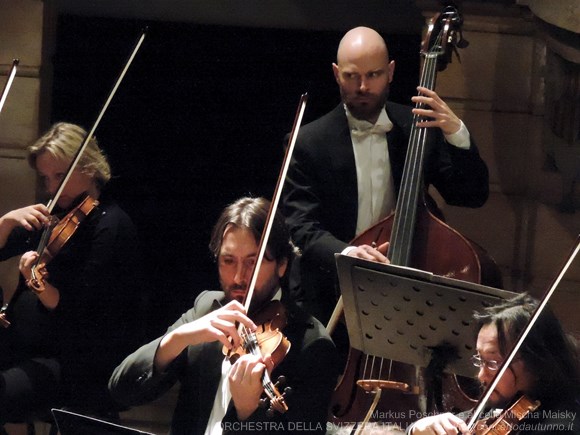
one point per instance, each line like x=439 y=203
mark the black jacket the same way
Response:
x=321 y=198
x=307 y=368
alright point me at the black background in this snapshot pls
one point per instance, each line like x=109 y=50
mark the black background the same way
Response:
x=197 y=122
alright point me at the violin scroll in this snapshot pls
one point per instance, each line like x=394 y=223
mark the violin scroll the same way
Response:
x=37 y=278
x=278 y=403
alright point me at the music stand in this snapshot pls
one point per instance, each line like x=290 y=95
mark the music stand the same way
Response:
x=71 y=423
x=401 y=313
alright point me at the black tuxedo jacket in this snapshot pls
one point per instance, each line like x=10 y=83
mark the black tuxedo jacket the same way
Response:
x=309 y=368
x=321 y=197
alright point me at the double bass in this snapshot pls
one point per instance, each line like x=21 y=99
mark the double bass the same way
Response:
x=416 y=238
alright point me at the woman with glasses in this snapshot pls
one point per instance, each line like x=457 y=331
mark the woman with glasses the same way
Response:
x=545 y=369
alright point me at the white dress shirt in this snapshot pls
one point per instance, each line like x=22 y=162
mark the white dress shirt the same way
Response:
x=221 y=402
x=376 y=193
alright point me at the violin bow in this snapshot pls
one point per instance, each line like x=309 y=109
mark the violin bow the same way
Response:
x=276 y=198
x=523 y=335
x=276 y=399
x=90 y=134
x=8 y=84
x=52 y=202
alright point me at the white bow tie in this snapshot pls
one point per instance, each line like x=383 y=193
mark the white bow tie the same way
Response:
x=374 y=129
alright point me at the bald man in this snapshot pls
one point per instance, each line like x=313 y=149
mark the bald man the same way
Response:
x=347 y=166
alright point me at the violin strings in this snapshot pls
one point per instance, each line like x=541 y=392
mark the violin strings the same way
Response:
x=250 y=343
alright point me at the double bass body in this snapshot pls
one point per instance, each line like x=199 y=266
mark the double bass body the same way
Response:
x=439 y=249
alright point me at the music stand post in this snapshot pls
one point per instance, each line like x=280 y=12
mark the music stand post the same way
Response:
x=401 y=313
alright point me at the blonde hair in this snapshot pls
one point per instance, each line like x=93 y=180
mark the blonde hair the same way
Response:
x=62 y=141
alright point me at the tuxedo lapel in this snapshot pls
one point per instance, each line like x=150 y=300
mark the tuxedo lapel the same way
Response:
x=343 y=166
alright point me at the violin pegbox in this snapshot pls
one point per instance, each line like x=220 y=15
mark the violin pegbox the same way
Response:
x=274 y=400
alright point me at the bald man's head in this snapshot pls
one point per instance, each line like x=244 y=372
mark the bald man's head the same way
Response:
x=361 y=41
x=363 y=72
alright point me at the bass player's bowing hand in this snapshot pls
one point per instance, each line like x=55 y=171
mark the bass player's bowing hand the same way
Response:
x=367 y=252
x=441 y=424
x=219 y=325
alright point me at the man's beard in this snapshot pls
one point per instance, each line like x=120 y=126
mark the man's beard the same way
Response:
x=261 y=296
x=367 y=111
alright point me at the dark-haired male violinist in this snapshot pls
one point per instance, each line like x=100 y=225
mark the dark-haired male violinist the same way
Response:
x=217 y=396
x=546 y=369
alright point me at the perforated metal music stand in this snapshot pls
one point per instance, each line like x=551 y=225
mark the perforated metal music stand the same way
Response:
x=401 y=313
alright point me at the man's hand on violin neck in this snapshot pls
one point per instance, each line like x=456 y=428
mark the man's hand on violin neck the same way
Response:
x=245 y=380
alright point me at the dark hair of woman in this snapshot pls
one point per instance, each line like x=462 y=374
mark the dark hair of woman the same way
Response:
x=548 y=352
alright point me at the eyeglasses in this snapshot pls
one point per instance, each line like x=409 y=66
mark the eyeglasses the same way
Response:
x=489 y=364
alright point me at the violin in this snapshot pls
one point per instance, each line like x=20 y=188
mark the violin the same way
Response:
x=271 y=319
x=66 y=227
x=268 y=339
x=58 y=233
x=505 y=422
x=523 y=406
